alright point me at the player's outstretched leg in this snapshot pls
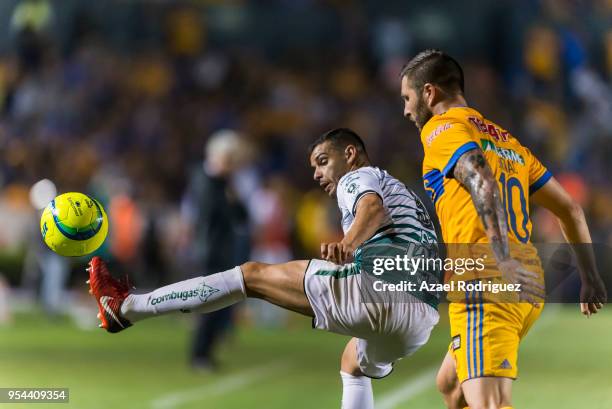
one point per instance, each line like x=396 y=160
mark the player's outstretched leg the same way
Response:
x=280 y=284
x=356 y=387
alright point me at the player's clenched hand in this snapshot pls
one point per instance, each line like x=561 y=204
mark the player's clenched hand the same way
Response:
x=339 y=253
x=532 y=290
x=592 y=296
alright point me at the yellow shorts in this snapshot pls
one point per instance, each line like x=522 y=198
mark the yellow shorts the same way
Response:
x=486 y=336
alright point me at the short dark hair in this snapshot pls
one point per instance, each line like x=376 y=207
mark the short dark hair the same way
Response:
x=434 y=67
x=340 y=138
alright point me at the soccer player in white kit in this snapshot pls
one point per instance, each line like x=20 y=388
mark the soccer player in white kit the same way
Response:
x=377 y=210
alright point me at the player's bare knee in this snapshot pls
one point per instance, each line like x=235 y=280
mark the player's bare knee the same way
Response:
x=350 y=367
x=348 y=361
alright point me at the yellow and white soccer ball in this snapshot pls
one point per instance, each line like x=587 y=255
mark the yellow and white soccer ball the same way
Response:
x=74 y=224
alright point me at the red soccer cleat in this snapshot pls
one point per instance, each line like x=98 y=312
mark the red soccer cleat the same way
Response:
x=109 y=294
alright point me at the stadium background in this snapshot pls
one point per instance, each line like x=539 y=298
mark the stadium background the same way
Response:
x=118 y=98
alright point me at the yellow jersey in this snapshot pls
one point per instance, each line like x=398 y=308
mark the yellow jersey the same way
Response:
x=518 y=172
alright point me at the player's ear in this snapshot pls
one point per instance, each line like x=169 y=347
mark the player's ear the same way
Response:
x=429 y=94
x=350 y=154
x=432 y=95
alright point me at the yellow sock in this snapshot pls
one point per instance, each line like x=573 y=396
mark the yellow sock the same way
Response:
x=507 y=407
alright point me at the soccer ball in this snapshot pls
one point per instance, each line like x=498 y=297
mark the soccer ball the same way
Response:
x=74 y=224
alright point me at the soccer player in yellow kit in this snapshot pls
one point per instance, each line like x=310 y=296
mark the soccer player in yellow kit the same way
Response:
x=481 y=181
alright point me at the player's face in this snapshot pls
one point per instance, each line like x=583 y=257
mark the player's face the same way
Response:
x=415 y=107
x=329 y=164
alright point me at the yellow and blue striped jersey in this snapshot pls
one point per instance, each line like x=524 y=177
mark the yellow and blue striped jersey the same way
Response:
x=518 y=172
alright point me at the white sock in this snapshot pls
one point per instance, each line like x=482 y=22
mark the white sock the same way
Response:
x=356 y=392
x=201 y=294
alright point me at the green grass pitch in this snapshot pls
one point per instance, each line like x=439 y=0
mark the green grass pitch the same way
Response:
x=564 y=363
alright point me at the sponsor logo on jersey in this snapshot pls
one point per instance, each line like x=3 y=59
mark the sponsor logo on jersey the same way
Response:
x=488 y=128
x=503 y=153
x=347 y=179
x=434 y=134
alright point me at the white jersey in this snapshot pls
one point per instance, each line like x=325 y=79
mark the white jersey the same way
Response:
x=407 y=222
x=386 y=330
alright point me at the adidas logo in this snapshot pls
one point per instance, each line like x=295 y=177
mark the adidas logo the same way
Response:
x=505 y=365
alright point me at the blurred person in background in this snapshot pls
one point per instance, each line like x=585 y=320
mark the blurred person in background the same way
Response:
x=270 y=211
x=219 y=224
x=31 y=23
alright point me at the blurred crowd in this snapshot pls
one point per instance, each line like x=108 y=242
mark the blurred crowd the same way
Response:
x=119 y=101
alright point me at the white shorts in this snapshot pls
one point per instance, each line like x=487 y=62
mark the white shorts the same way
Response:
x=386 y=331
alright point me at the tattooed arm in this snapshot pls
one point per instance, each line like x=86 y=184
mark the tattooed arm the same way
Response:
x=475 y=174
